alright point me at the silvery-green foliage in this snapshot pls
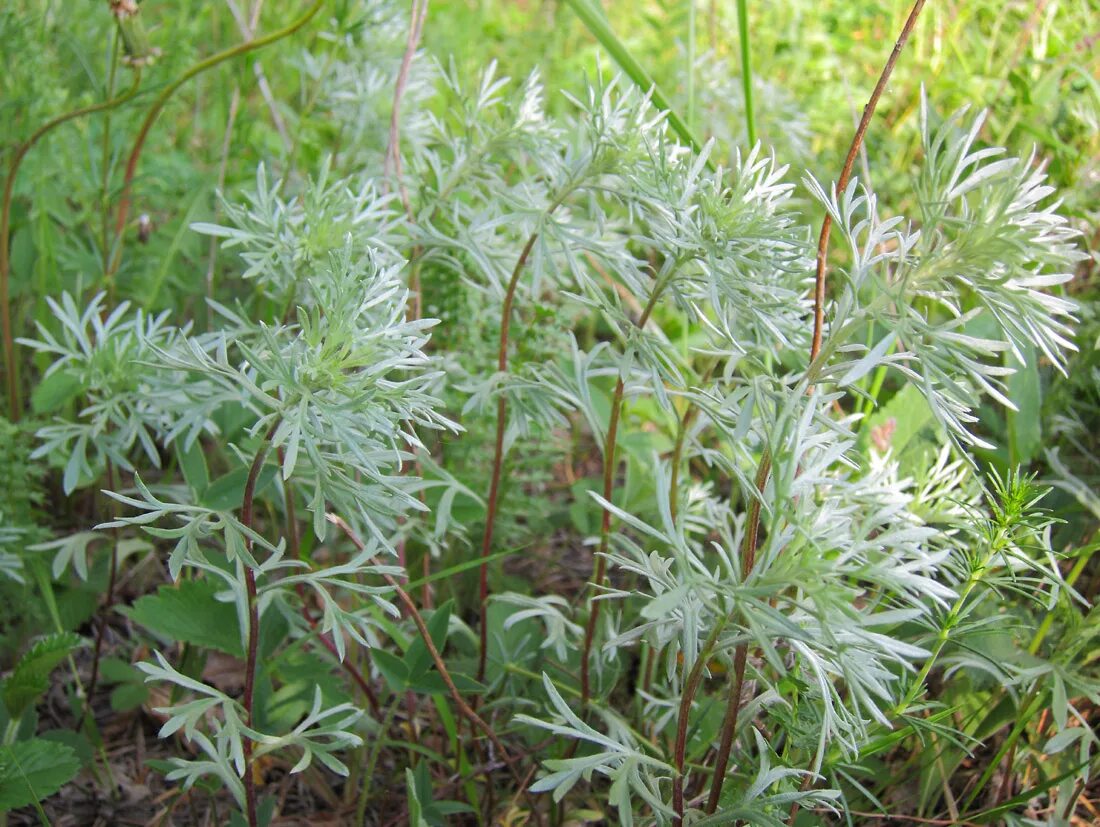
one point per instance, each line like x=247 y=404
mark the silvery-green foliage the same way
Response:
x=285 y=231
x=215 y=723
x=850 y=552
x=105 y=358
x=354 y=77
x=336 y=389
x=635 y=776
x=988 y=238
x=552 y=611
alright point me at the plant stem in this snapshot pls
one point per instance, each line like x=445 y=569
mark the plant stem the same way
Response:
x=498 y=450
x=441 y=667
x=163 y=98
x=609 y=467
x=15 y=406
x=746 y=69
x=740 y=658
x=376 y=748
x=108 y=602
x=253 y=620
x=691 y=686
x=846 y=174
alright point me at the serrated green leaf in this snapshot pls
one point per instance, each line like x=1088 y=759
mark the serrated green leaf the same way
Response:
x=190 y=614
x=31 y=677
x=33 y=770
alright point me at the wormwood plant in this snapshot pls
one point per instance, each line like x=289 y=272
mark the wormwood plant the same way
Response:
x=803 y=583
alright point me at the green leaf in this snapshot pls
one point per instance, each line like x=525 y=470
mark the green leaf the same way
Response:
x=33 y=770
x=53 y=392
x=418 y=659
x=897 y=422
x=226 y=493
x=190 y=614
x=416 y=812
x=31 y=677
x=393 y=669
x=1025 y=426
x=193 y=465
x=432 y=683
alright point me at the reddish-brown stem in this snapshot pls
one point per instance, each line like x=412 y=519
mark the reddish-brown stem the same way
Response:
x=295 y=550
x=841 y=185
x=253 y=620
x=846 y=174
x=15 y=407
x=163 y=98
x=687 y=698
x=392 y=162
x=729 y=726
x=609 y=468
x=464 y=708
x=691 y=685
x=498 y=450
x=108 y=602
x=605 y=535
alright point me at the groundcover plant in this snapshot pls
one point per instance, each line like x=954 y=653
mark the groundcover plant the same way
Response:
x=401 y=442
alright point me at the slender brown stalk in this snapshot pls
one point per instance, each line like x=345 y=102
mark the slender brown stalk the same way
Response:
x=846 y=174
x=609 y=467
x=464 y=708
x=740 y=657
x=498 y=450
x=15 y=407
x=392 y=162
x=687 y=698
x=253 y=620
x=163 y=98
x=294 y=548
x=108 y=602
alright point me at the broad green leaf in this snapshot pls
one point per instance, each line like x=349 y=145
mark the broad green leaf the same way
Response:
x=393 y=669
x=53 y=392
x=189 y=613
x=193 y=465
x=226 y=493
x=1025 y=425
x=33 y=770
x=31 y=677
x=418 y=659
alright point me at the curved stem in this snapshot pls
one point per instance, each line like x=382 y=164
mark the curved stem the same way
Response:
x=609 y=467
x=746 y=69
x=498 y=449
x=162 y=99
x=846 y=174
x=5 y=226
